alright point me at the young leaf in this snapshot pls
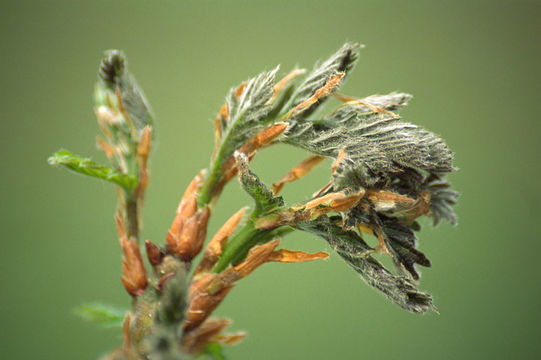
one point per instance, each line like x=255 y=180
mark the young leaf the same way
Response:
x=352 y=248
x=104 y=315
x=246 y=108
x=262 y=195
x=375 y=144
x=340 y=62
x=400 y=240
x=441 y=201
x=114 y=76
x=87 y=167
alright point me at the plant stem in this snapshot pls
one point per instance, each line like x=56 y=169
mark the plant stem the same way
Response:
x=237 y=247
x=206 y=193
x=132 y=216
x=249 y=236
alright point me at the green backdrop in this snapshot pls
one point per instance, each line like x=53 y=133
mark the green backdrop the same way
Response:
x=473 y=67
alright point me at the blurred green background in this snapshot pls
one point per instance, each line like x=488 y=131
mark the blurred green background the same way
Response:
x=473 y=67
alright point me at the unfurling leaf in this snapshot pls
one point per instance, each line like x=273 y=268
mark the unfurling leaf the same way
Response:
x=108 y=316
x=262 y=195
x=385 y=174
x=322 y=93
x=115 y=77
x=442 y=198
x=87 y=167
x=400 y=240
x=375 y=144
x=244 y=111
x=341 y=62
x=352 y=248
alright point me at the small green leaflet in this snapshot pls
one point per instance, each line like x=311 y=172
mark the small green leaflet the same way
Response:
x=87 y=167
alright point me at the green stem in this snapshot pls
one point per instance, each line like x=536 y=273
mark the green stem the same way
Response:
x=206 y=193
x=238 y=247
x=132 y=215
x=249 y=236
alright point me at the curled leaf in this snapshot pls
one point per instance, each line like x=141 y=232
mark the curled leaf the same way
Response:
x=400 y=240
x=115 y=77
x=262 y=195
x=442 y=198
x=352 y=248
x=375 y=146
x=244 y=111
x=321 y=93
x=340 y=62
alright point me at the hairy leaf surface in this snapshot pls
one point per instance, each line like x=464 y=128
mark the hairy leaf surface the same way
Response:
x=114 y=76
x=401 y=241
x=376 y=145
x=262 y=195
x=441 y=201
x=246 y=110
x=352 y=248
x=340 y=62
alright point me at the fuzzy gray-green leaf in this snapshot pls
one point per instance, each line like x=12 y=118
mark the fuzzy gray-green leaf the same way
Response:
x=340 y=62
x=401 y=241
x=87 y=167
x=377 y=145
x=114 y=75
x=352 y=248
x=246 y=112
x=442 y=200
x=262 y=195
